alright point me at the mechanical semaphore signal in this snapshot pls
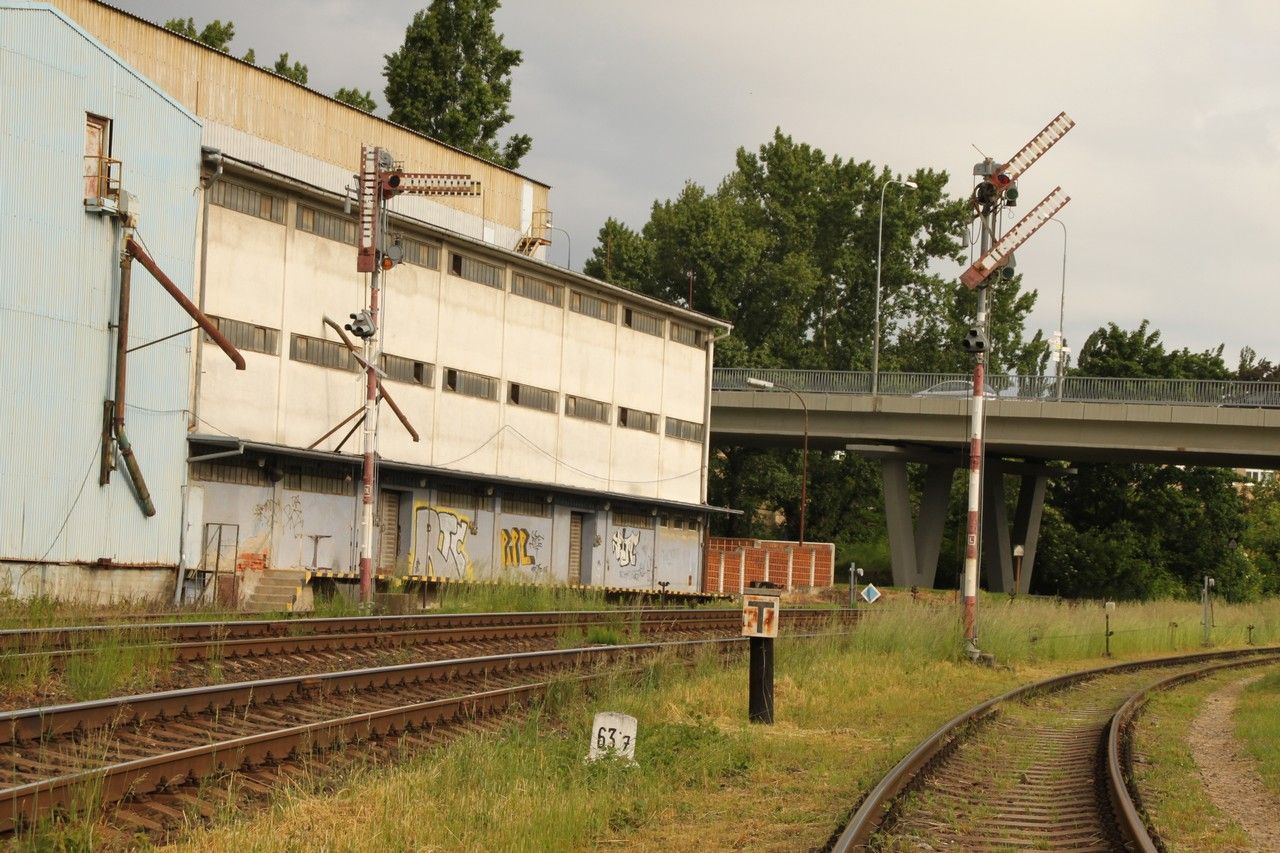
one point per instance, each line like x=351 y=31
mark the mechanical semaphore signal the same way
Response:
x=998 y=254
x=381 y=178
x=426 y=183
x=1008 y=172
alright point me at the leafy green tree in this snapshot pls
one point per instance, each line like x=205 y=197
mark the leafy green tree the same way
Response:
x=360 y=100
x=1169 y=525
x=297 y=72
x=451 y=79
x=1253 y=370
x=1112 y=351
x=785 y=248
x=215 y=34
x=1260 y=541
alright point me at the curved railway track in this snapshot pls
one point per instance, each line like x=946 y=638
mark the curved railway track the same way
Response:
x=1045 y=766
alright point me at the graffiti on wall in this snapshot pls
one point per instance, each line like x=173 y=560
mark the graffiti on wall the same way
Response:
x=624 y=547
x=443 y=548
x=520 y=548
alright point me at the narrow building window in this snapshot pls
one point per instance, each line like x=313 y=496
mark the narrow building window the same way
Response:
x=97 y=151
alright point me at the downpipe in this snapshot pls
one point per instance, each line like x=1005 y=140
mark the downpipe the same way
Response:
x=117 y=424
x=135 y=472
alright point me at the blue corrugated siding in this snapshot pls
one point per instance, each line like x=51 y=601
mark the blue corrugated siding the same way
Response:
x=59 y=270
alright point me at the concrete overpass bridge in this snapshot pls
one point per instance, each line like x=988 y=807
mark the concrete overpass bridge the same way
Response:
x=923 y=418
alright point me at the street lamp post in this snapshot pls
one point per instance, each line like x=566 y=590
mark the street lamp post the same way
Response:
x=875 y=351
x=804 y=459
x=568 y=242
x=1062 y=309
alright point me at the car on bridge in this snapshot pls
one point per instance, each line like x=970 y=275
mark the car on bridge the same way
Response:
x=954 y=388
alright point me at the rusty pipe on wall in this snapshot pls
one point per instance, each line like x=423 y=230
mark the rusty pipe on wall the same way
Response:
x=196 y=314
x=117 y=423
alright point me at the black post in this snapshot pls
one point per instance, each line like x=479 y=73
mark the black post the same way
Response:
x=760 y=709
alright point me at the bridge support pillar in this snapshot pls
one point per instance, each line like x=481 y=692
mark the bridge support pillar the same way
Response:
x=913 y=549
x=1000 y=539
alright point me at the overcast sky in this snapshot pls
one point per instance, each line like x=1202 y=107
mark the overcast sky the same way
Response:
x=1173 y=167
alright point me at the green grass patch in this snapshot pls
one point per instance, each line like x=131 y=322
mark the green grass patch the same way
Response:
x=494 y=598
x=1257 y=723
x=1169 y=778
x=704 y=776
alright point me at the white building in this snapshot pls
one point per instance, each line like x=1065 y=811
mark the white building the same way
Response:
x=561 y=420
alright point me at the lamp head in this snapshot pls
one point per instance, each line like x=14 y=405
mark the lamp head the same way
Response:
x=759 y=383
x=911 y=184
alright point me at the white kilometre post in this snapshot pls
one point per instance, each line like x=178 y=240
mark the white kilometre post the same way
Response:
x=995 y=254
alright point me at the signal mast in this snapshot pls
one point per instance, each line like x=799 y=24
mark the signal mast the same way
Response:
x=380 y=179
x=997 y=190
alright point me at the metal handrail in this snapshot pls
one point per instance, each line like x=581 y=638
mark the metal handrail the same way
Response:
x=103 y=176
x=1080 y=389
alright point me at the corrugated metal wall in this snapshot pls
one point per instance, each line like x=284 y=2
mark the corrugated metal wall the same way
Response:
x=59 y=270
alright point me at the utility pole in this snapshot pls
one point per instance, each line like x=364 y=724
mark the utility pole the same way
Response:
x=381 y=178
x=997 y=189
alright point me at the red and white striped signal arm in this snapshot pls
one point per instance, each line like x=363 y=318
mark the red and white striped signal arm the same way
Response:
x=367 y=198
x=429 y=183
x=1009 y=172
x=995 y=257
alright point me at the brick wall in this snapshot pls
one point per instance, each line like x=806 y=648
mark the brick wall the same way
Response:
x=733 y=564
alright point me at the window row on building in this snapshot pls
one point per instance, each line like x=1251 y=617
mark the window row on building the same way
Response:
x=333 y=226
x=335 y=355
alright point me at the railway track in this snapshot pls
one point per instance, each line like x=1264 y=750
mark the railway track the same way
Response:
x=202 y=654
x=52 y=759
x=1044 y=766
x=73 y=637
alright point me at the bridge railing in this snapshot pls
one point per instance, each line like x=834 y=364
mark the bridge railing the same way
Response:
x=1091 y=389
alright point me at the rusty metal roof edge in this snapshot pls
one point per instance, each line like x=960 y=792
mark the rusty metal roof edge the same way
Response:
x=315 y=92
x=448 y=473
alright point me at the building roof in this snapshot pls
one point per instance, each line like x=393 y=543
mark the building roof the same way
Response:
x=20 y=6
x=312 y=92
x=355 y=460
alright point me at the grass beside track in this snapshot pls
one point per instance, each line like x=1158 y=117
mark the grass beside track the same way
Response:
x=705 y=778
x=1169 y=778
x=847 y=709
x=1258 y=726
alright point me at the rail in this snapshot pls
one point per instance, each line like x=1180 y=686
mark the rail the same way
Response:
x=1076 y=389
x=873 y=810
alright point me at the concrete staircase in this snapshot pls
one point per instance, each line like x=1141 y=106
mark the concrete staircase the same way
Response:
x=277 y=590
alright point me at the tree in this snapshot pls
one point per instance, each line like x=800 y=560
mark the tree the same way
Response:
x=297 y=72
x=216 y=34
x=785 y=248
x=451 y=79
x=1112 y=351
x=1253 y=370
x=360 y=100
